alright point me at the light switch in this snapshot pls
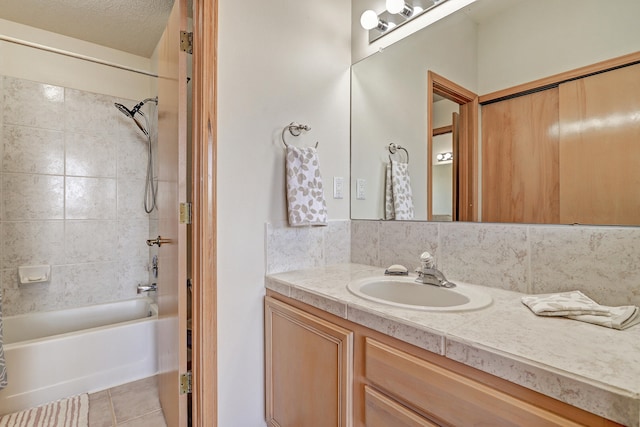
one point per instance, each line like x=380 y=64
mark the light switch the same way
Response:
x=360 y=188
x=338 y=186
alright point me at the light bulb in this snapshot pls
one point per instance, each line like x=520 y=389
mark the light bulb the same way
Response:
x=395 y=6
x=417 y=10
x=369 y=19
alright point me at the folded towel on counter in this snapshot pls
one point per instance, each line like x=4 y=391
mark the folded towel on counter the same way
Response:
x=398 y=196
x=577 y=306
x=305 y=196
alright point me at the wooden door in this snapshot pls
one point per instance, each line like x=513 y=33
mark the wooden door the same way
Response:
x=600 y=148
x=309 y=369
x=455 y=144
x=172 y=189
x=520 y=159
x=465 y=184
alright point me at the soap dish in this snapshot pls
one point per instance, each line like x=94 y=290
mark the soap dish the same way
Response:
x=34 y=274
x=396 y=270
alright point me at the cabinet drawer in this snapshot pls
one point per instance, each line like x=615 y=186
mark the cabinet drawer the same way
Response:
x=448 y=396
x=381 y=411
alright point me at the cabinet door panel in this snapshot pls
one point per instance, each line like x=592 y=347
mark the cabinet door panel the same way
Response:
x=308 y=369
x=449 y=397
x=380 y=411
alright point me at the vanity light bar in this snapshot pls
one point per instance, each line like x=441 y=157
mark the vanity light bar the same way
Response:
x=398 y=12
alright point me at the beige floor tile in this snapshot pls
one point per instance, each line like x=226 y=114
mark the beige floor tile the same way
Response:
x=100 y=412
x=135 y=399
x=154 y=419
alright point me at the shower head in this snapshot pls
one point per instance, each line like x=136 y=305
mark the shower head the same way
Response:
x=136 y=110
x=124 y=110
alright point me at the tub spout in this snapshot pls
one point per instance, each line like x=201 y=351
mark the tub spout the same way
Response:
x=147 y=288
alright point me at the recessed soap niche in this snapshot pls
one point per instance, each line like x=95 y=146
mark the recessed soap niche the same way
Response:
x=34 y=274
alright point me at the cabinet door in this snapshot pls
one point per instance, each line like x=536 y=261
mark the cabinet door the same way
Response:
x=381 y=411
x=308 y=369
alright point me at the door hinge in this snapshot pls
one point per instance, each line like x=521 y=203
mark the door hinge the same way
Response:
x=185 y=213
x=186 y=41
x=185 y=383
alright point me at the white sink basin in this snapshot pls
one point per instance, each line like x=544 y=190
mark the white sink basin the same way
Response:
x=406 y=293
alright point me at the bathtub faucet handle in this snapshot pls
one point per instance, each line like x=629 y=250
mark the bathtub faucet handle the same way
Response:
x=157 y=241
x=147 y=288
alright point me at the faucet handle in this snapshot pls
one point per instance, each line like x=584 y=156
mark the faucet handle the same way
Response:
x=427 y=261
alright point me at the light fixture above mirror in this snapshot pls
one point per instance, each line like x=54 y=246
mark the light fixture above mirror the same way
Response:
x=397 y=13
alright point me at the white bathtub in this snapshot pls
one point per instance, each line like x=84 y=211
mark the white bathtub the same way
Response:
x=57 y=354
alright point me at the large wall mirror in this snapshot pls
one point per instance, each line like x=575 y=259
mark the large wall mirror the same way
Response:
x=488 y=48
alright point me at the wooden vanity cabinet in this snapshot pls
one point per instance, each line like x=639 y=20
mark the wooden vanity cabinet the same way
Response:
x=387 y=382
x=309 y=369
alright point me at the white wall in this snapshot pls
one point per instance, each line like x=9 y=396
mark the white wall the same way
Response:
x=279 y=61
x=540 y=38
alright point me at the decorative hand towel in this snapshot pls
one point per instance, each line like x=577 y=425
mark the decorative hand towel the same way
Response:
x=577 y=306
x=305 y=197
x=389 y=212
x=402 y=197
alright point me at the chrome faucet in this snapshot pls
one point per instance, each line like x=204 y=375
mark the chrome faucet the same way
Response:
x=147 y=288
x=428 y=274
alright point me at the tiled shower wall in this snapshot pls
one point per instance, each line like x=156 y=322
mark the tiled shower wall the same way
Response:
x=72 y=173
x=600 y=261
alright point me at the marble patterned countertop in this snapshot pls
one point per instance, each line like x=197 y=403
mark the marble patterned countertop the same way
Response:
x=588 y=366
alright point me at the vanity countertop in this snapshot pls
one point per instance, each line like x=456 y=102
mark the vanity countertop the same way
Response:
x=588 y=366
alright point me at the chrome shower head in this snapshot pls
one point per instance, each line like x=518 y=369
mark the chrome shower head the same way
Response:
x=136 y=110
x=124 y=110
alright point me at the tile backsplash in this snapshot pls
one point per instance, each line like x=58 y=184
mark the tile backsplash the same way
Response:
x=292 y=248
x=600 y=261
x=72 y=174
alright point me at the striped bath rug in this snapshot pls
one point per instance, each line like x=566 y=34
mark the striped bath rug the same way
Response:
x=71 y=412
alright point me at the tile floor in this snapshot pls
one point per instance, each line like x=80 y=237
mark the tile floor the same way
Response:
x=134 y=404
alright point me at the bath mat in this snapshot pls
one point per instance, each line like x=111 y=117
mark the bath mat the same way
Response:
x=71 y=412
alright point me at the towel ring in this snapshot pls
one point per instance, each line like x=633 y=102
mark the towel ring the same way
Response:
x=295 y=129
x=393 y=149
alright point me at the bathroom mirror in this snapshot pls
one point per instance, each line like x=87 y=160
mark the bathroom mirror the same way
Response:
x=486 y=47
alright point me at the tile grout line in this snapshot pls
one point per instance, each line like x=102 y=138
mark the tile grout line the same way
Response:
x=113 y=411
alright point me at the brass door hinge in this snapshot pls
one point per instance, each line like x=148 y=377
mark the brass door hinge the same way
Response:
x=186 y=41
x=185 y=383
x=185 y=213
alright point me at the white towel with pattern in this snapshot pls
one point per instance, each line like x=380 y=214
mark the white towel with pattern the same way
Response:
x=305 y=195
x=577 y=306
x=399 y=191
x=389 y=212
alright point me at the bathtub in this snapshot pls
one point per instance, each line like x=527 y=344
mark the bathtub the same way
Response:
x=56 y=354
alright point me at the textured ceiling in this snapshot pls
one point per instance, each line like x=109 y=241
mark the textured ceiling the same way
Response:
x=133 y=26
